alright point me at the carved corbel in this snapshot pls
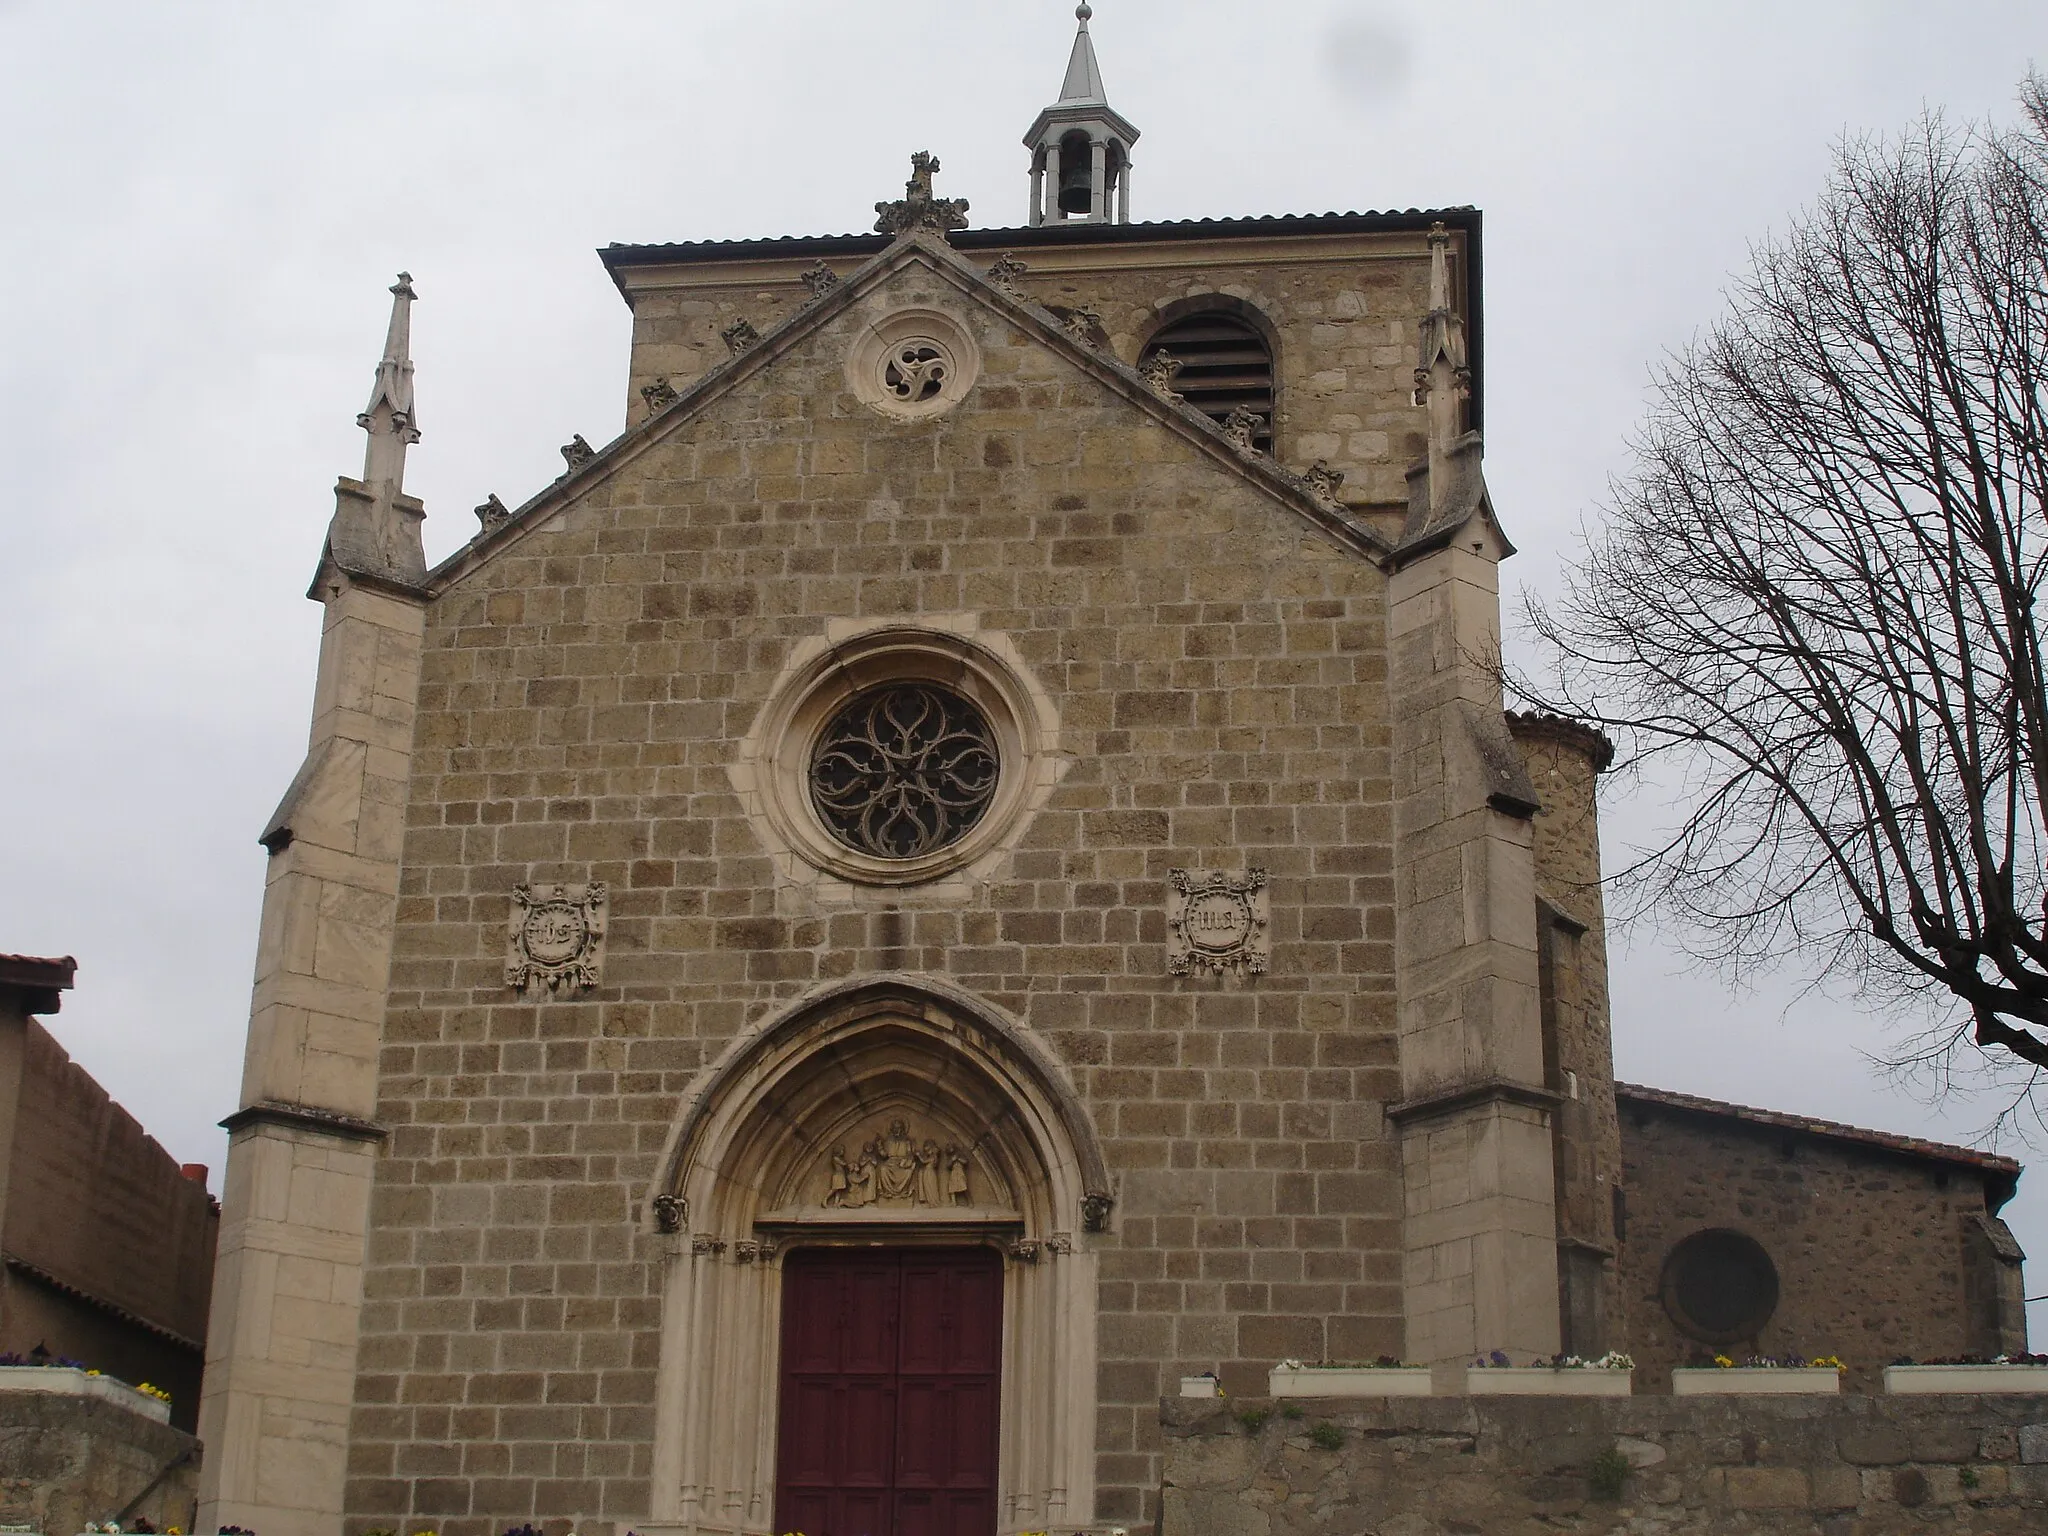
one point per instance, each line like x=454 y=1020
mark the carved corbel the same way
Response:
x=1095 y=1209
x=670 y=1212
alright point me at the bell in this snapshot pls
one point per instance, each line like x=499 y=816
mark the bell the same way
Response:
x=1077 y=181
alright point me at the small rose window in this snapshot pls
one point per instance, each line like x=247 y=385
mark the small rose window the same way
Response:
x=904 y=771
x=913 y=364
x=916 y=370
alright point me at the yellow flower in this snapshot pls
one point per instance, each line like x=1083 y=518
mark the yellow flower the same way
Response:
x=1724 y=1362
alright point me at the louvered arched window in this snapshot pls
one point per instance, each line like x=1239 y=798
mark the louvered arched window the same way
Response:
x=1225 y=363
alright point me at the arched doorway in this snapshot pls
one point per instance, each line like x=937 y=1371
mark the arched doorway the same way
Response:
x=896 y=1133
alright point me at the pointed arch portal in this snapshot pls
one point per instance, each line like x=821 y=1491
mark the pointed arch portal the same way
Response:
x=887 y=1115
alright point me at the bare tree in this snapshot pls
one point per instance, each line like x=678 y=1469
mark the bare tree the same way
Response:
x=1819 y=587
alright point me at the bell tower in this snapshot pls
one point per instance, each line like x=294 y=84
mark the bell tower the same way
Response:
x=1080 y=147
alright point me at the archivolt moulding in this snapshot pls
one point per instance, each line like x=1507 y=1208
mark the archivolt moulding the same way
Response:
x=901 y=1064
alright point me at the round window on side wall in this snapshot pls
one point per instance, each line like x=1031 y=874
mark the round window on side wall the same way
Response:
x=1720 y=1287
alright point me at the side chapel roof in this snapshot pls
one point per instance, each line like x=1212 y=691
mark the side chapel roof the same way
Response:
x=2001 y=1174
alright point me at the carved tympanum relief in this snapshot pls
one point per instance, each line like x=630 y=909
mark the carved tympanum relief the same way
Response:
x=1218 y=922
x=895 y=1168
x=556 y=935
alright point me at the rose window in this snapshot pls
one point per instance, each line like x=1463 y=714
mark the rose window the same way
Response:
x=916 y=370
x=904 y=771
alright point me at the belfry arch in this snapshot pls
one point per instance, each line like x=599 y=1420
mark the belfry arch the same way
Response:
x=890 y=1112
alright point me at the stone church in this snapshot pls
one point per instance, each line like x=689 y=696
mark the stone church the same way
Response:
x=966 y=866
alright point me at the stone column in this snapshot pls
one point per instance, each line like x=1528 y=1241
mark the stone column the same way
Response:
x=1481 y=1229
x=1123 y=192
x=1038 y=160
x=1098 y=181
x=280 y=1356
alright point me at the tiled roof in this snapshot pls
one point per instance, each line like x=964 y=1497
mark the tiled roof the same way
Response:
x=1463 y=217
x=2005 y=1169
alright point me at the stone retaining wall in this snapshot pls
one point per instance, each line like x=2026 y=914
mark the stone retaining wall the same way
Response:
x=65 y=1460
x=1847 y=1466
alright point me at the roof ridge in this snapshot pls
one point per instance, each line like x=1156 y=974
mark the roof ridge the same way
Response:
x=1815 y=1125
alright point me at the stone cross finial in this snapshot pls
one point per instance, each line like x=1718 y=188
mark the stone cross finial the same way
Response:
x=919 y=208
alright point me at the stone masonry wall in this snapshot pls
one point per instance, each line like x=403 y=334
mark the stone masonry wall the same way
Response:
x=1869 y=1249
x=1346 y=332
x=66 y=1460
x=1461 y=1466
x=1219 y=672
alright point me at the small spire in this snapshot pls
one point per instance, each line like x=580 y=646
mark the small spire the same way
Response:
x=1084 y=75
x=1442 y=376
x=389 y=418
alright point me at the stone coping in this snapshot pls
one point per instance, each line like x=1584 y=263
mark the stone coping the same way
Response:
x=73 y=1382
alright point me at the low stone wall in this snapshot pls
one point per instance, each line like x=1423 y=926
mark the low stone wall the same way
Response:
x=1463 y=1466
x=66 y=1459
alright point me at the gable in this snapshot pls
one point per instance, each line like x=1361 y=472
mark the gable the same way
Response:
x=920 y=271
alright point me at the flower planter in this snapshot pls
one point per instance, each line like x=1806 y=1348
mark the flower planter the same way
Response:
x=73 y=1382
x=1198 y=1386
x=1912 y=1379
x=1348 y=1381
x=1755 y=1380
x=1547 y=1381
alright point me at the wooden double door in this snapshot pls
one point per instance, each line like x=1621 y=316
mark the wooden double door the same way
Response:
x=891 y=1369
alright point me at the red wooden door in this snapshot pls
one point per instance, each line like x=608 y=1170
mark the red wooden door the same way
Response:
x=891 y=1361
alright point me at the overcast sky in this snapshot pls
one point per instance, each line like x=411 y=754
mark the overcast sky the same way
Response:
x=204 y=204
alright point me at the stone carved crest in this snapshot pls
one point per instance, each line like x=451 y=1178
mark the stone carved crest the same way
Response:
x=576 y=452
x=918 y=208
x=659 y=395
x=897 y=1169
x=1218 y=922
x=492 y=513
x=556 y=935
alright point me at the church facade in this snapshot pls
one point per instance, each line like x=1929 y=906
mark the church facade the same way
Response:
x=967 y=866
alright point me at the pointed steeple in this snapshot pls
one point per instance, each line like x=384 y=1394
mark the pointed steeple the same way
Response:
x=375 y=532
x=388 y=418
x=1084 y=75
x=1081 y=147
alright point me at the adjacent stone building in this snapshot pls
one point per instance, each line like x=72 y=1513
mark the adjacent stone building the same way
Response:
x=967 y=865
x=107 y=1241
x=1750 y=1232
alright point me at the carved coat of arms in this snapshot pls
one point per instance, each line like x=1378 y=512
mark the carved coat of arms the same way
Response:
x=556 y=935
x=1218 y=922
